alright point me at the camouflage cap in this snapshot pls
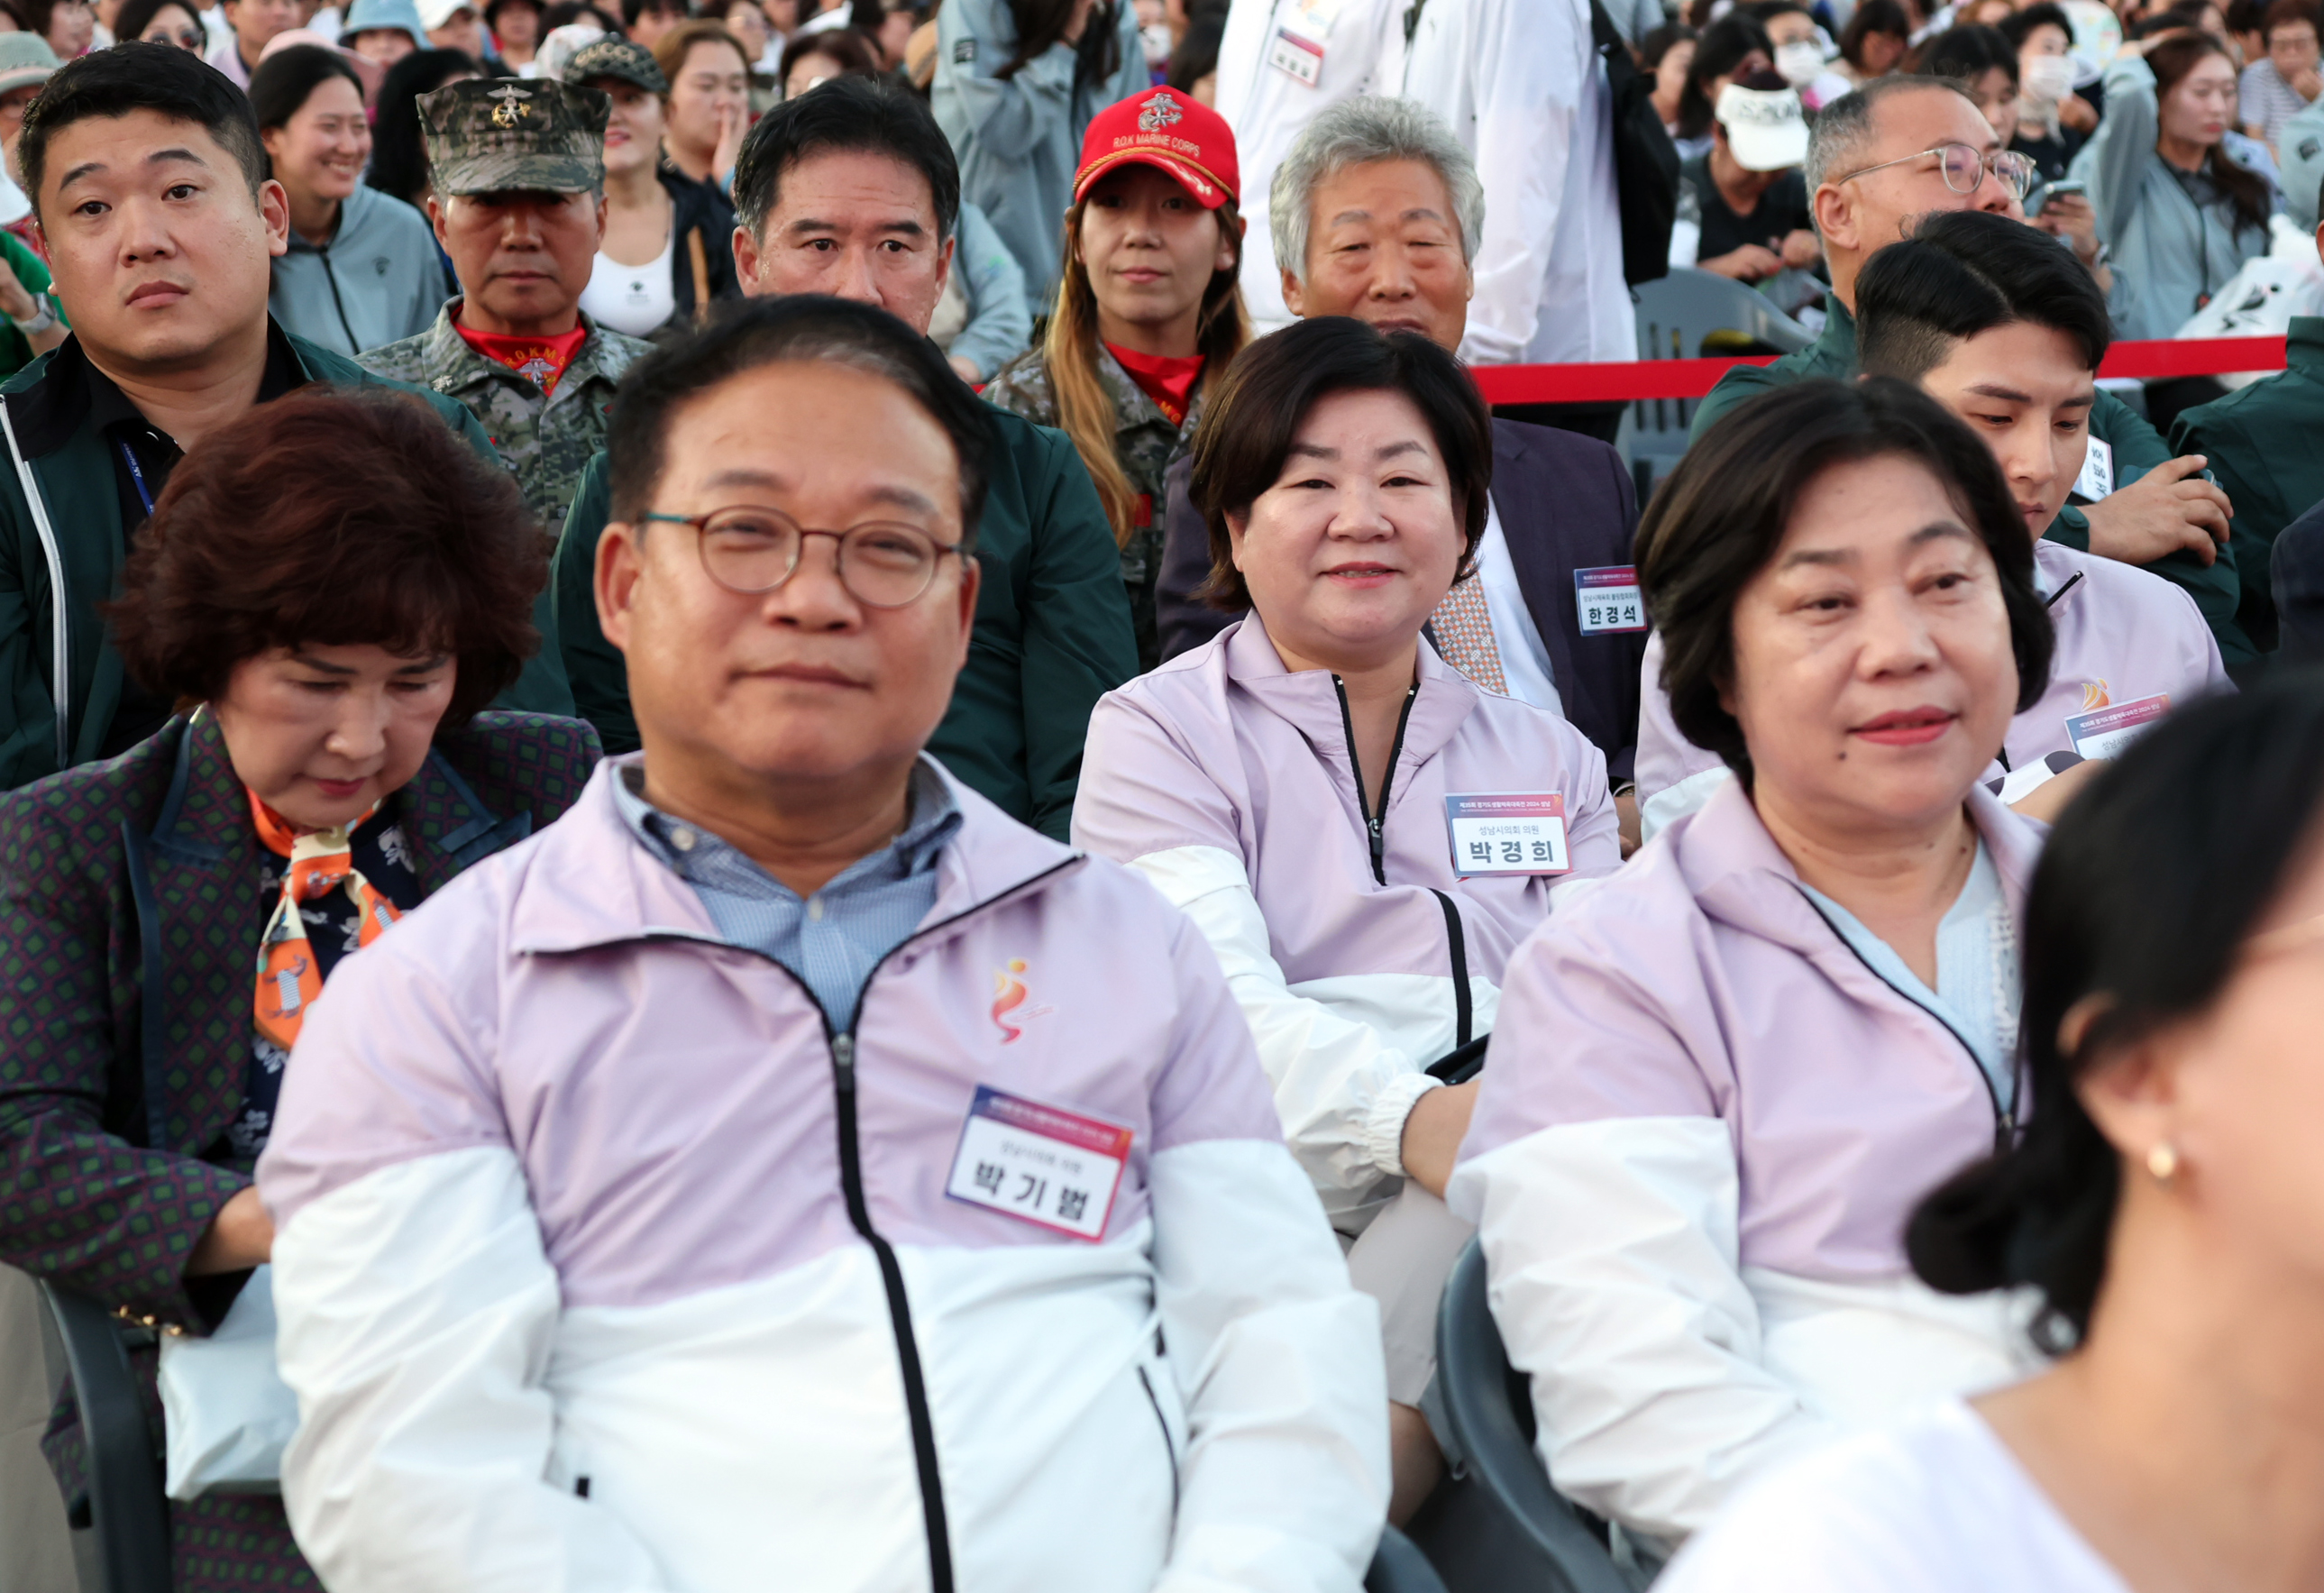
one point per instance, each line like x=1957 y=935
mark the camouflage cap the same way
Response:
x=497 y=134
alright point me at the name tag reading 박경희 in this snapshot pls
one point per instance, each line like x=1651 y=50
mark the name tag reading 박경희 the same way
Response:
x=1507 y=833
x=1043 y=1164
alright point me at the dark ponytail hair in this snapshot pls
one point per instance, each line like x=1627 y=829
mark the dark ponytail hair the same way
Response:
x=2247 y=191
x=2151 y=882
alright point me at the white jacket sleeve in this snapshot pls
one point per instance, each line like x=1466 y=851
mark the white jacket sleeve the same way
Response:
x=1613 y=1247
x=1529 y=61
x=417 y=1311
x=1341 y=1090
x=1277 y=1360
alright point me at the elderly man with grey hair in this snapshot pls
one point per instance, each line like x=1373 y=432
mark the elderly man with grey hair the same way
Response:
x=1375 y=213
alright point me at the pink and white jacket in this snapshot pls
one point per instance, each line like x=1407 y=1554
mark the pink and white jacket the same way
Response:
x=602 y=1264
x=1230 y=782
x=1703 y=1124
x=2123 y=634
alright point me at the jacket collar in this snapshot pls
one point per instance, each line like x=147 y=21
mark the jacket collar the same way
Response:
x=1132 y=409
x=1729 y=860
x=1307 y=700
x=450 y=366
x=206 y=816
x=355 y=215
x=593 y=883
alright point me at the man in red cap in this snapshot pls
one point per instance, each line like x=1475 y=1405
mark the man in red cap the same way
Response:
x=1147 y=311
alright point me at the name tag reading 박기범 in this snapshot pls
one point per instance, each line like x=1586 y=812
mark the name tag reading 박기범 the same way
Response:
x=1043 y=1164
x=1507 y=833
x=1606 y=599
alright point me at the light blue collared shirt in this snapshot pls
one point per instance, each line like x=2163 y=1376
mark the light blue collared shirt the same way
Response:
x=833 y=939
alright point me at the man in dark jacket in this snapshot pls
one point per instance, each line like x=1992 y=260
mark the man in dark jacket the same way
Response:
x=1376 y=208
x=145 y=170
x=853 y=191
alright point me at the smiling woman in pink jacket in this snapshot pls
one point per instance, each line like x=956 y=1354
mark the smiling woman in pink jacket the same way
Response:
x=1721 y=1081
x=1301 y=787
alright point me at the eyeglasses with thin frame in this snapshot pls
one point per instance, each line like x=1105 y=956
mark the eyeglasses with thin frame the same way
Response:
x=1965 y=168
x=752 y=550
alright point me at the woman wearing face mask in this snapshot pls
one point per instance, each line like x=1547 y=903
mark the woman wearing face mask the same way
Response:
x=2161 y=1205
x=668 y=255
x=340 y=586
x=1286 y=784
x=1735 y=46
x=362 y=269
x=1147 y=317
x=2053 y=120
x=1800 y=57
x=1720 y=1082
x=2178 y=211
x=1017 y=82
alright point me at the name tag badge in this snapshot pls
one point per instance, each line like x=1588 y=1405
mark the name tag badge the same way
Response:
x=1296 y=56
x=2097 y=479
x=1042 y=1165
x=1606 y=600
x=2104 y=732
x=1507 y=833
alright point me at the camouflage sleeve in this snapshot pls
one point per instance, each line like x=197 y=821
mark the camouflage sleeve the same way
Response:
x=404 y=361
x=78 y=1204
x=1022 y=388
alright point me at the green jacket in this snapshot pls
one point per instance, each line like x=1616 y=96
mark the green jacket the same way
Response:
x=2138 y=447
x=2260 y=444
x=544 y=440
x=1146 y=444
x=48 y=634
x=1052 y=627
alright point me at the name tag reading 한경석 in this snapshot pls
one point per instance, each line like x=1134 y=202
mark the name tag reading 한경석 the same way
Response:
x=2104 y=732
x=1507 y=833
x=1051 y=1168
x=1607 y=598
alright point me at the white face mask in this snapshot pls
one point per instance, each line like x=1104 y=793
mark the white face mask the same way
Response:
x=1154 y=38
x=1799 y=64
x=2049 y=77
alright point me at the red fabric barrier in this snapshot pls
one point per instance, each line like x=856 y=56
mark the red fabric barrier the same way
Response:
x=1690 y=379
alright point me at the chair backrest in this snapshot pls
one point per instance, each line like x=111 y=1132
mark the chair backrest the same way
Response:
x=1399 y=1567
x=127 y=1510
x=1684 y=315
x=1483 y=1413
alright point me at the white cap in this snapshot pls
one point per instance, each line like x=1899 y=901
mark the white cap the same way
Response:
x=434 y=14
x=1765 y=127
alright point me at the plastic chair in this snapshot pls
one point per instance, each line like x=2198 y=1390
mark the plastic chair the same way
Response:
x=1399 y=1567
x=1688 y=315
x=129 y=1514
x=1496 y=1525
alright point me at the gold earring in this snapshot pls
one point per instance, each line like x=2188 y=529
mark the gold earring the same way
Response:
x=2163 y=1164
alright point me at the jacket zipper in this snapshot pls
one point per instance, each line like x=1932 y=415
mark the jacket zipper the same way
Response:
x=1168 y=1448
x=1373 y=820
x=2004 y=1118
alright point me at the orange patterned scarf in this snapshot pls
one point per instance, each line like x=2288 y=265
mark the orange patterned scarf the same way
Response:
x=321 y=861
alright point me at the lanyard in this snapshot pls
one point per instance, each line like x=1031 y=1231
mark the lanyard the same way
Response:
x=137 y=478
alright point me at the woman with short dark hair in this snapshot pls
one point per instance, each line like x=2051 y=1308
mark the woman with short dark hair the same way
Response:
x=332 y=588
x=2161 y=1203
x=1795 y=1010
x=1361 y=834
x=1735 y=46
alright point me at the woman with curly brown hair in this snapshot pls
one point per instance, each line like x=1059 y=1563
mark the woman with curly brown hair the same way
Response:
x=331 y=588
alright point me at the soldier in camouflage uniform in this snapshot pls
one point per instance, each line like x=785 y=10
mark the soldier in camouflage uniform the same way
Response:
x=1146 y=444
x=518 y=204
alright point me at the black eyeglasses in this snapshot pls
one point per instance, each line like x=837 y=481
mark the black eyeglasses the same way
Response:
x=883 y=564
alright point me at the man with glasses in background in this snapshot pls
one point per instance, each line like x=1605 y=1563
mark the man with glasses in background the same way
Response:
x=1901 y=148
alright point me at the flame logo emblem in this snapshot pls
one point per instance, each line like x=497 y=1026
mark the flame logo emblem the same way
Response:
x=2094 y=695
x=1007 y=994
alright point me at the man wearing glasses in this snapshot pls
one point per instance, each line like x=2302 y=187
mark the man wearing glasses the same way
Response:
x=1893 y=151
x=766 y=1175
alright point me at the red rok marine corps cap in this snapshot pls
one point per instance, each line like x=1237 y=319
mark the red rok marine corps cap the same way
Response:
x=1164 y=128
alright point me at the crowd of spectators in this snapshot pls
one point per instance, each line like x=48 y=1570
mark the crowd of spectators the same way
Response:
x=1025 y=815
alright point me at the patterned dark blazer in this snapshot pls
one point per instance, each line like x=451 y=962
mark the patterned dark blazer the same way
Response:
x=129 y=916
